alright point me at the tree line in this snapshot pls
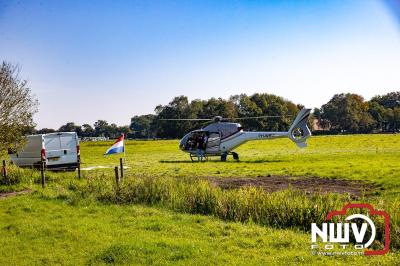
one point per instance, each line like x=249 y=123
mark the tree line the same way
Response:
x=350 y=113
x=344 y=113
x=100 y=128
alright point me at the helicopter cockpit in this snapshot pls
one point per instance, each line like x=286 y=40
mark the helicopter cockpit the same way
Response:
x=215 y=133
x=190 y=141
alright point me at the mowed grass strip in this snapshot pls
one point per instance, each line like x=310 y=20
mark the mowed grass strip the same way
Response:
x=36 y=231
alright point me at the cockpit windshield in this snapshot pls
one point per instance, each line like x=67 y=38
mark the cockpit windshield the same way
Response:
x=192 y=140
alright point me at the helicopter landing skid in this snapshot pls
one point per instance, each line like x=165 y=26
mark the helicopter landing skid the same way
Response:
x=235 y=156
x=206 y=157
x=225 y=155
x=194 y=158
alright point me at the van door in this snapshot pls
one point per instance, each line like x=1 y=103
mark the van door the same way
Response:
x=68 y=147
x=30 y=154
x=61 y=150
x=52 y=145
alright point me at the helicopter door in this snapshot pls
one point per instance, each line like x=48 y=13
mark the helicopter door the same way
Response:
x=214 y=140
x=190 y=142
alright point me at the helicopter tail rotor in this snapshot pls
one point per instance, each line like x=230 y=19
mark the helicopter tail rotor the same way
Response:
x=299 y=131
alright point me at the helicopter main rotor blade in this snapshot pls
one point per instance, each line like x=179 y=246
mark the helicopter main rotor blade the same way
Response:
x=258 y=117
x=218 y=118
x=185 y=119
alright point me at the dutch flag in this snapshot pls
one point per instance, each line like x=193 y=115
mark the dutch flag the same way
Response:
x=117 y=147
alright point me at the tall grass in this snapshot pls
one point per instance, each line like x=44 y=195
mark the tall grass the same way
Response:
x=283 y=209
x=18 y=179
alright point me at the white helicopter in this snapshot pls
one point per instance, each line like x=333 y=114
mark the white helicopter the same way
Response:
x=224 y=137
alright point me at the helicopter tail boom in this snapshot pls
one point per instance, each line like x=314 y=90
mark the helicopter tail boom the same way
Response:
x=299 y=131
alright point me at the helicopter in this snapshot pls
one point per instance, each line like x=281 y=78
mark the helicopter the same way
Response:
x=223 y=137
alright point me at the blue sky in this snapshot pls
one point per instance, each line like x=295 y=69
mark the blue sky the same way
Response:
x=90 y=60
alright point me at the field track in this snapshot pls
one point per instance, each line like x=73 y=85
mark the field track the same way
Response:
x=354 y=188
x=12 y=194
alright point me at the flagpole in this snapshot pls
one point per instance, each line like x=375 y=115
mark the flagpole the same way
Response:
x=124 y=150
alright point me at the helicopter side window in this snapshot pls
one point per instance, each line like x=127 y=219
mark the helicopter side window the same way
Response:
x=213 y=139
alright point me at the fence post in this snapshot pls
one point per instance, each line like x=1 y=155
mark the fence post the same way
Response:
x=121 y=166
x=79 y=166
x=4 y=172
x=42 y=165
x=116 y=175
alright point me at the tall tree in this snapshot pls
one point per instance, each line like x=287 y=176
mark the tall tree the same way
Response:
x=389 y=111
x=378 y=113
x=142 y=126
x=348 y=112
x=87 y=130
x=323 y=123
x=112 y=131
x=124 y=130
x=17 y=106
x=45 y=131
x=101 y=128
x=177 y=108
x=218 y=107
x=390 y=100
x=70 y=127
x=248 y=108
x=263 y=104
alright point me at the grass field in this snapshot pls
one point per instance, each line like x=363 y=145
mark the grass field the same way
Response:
x=154 y=217
x=373 y=158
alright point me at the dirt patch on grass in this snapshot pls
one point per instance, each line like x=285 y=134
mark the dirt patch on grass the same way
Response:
x=309 y=184
x=12 y=194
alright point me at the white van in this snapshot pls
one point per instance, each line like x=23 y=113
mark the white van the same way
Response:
x=58 y=150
